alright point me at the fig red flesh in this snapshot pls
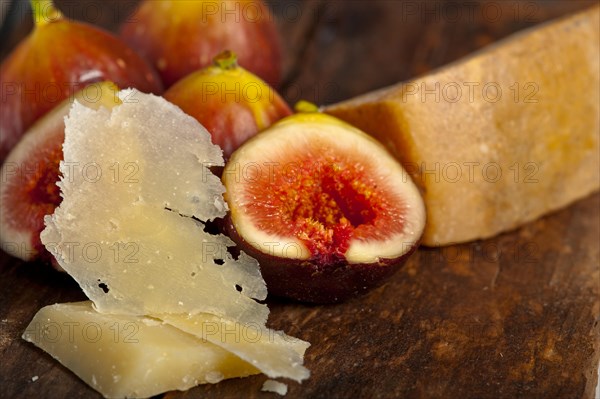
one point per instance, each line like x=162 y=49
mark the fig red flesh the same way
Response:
x=324 y=202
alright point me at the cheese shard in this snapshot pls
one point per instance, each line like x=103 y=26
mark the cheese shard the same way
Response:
x=129 y=356
x=131 y=230
x=272 y=352
x=136 y=190
x=500 y=138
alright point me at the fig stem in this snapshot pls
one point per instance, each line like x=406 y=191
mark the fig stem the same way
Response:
x=44 y=12
x=226 y=60
x=304 y=106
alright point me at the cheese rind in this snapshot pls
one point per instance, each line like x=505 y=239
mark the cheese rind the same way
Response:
x=129 y=356
x=501 y=137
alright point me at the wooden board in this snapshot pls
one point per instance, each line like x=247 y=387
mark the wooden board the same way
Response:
x=513 y=316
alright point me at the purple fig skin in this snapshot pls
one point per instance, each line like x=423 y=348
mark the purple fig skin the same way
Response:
x=180 y=37
x=230 y=119
x=56 y=60
x=316 y=281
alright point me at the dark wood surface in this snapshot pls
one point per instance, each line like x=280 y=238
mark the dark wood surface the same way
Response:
x=515 y=316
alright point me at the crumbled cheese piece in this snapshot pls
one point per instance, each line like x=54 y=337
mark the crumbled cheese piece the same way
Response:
x=275 y=386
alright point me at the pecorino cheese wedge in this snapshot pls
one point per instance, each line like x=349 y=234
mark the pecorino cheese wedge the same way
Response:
x=500 y=138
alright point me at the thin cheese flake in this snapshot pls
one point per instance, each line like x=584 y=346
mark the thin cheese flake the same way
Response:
x=272 y=352
x=137 y=191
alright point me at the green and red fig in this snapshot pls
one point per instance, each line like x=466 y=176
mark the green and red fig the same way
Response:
x=230 y=102
x=30 y=173
x=323 y=207
x=58 y=58
x=179 y=37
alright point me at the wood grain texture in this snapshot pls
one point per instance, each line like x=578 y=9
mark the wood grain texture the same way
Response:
x=515 y=316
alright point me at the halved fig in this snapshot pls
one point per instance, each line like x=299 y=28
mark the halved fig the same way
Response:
x=30 y=173
x=323 y=207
